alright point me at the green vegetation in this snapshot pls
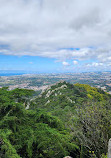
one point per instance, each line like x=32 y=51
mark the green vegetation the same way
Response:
x=64 y=120
x=27 y=133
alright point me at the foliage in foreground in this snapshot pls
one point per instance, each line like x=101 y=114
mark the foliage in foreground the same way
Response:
x=64 y=120
x=28 y=133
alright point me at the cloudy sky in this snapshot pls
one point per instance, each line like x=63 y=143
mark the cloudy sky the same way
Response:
x=55 y=35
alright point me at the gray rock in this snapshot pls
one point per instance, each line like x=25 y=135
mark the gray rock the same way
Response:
x=109 y=148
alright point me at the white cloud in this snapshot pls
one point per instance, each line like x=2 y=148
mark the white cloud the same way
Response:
x=65 y=63
x=95 y=64
x=75 y=62
x=46 y=27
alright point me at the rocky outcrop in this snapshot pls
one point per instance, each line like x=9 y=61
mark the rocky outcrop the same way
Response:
x=109 y=148
x=51 y=91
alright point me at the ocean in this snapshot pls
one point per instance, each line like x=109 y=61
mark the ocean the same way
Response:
x=11 y=74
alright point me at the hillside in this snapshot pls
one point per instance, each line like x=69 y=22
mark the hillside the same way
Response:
x=63 y=96
x=84 y=110
x=64 y=120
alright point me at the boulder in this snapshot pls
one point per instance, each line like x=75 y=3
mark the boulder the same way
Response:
x=109 y=148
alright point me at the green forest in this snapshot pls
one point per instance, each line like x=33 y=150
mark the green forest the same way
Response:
x=63 y=120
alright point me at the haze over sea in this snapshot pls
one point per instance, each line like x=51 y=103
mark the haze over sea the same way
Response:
x=10 y=74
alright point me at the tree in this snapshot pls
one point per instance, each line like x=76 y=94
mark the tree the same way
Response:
x=93 y=129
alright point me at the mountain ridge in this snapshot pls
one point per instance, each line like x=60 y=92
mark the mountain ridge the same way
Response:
x=65 y=119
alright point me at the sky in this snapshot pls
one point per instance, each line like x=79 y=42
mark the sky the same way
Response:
x=55 y=35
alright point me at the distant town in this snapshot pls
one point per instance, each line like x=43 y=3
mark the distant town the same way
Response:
x=39 y=82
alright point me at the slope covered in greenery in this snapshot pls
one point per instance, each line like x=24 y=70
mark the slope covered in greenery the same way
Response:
x=64 y=120
x=30 y=133
x=84 y=110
